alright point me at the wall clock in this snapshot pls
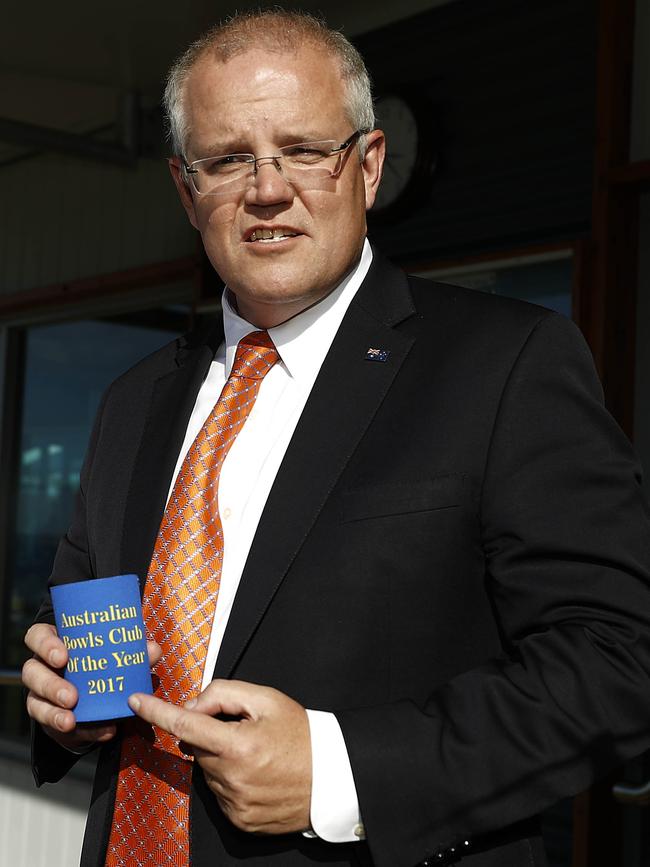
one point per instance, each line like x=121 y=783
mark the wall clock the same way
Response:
x=411 y=154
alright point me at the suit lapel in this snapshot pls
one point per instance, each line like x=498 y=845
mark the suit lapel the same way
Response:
x=171 y=402
x=346 y=395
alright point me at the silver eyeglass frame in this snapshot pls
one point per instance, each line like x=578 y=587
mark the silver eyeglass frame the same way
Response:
x=251 y=160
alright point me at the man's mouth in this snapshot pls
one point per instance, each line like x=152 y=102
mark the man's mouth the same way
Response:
x=271 y=236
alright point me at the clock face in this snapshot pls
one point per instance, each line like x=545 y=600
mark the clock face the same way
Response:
x=396 y=118
x=411 y=154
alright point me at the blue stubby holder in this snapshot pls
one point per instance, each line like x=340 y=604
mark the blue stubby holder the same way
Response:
x=100 y=622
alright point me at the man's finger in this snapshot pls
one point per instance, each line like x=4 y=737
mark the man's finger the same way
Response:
x=41 y=639
x=49 y=715
x=61 y=725
x=194 y=729
x=43 y=682
x=235 y=698
x=155 y=652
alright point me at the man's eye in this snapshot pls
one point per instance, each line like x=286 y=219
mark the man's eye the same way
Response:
x=306 y=153
x=225 y=164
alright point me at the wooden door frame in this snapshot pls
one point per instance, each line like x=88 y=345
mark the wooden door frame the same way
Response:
x=605 y=308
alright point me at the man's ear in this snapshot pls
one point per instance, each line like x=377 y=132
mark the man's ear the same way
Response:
x=373 y=164
x=176 y=169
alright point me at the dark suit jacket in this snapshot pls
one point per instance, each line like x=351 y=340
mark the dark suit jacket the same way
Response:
x=454 y=558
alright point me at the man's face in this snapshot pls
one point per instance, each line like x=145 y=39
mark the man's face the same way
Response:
x=255 y=103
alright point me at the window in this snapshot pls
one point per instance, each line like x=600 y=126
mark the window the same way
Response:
x=544 y=278
x=62 y=369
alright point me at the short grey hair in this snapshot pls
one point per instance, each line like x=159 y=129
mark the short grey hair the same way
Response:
x=277 y=30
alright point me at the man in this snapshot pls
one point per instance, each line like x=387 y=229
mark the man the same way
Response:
x=434 y=538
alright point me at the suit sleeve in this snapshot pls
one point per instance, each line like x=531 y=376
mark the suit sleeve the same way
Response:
x=565 y=537
x=73 y=562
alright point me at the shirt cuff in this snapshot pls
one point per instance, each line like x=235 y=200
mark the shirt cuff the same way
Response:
x=334 y=810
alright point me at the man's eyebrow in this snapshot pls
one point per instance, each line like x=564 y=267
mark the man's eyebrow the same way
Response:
x=302 y=136
x=217 y=148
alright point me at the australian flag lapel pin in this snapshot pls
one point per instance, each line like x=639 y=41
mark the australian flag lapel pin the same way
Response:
x=377 y=354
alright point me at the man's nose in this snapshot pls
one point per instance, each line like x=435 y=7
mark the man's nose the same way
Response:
x=268 y=184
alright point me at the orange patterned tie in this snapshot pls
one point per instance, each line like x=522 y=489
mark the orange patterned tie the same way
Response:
x=151 y=815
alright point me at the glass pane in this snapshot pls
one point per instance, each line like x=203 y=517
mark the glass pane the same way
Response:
x=545 y=280
x=67 y=367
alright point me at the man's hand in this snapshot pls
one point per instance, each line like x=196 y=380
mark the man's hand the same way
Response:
x=51 y=699
x=259 y=766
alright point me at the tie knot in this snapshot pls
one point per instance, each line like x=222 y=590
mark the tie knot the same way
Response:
x=255 y=356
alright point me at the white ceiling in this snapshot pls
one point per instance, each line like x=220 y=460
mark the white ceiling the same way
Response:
x=63 y=65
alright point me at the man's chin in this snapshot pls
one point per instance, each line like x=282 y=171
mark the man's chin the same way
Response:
x=269 y=304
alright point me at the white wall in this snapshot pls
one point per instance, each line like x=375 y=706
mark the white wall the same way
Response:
x=40 y=827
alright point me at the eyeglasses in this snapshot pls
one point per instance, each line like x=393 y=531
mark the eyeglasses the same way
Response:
x=297 y=163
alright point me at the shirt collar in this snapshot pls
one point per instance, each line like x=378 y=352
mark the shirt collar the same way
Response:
x=303 y=341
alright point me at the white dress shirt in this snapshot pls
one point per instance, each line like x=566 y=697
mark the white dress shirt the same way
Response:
x=247 y=476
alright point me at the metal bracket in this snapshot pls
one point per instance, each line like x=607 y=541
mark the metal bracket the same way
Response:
x=123 y=153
